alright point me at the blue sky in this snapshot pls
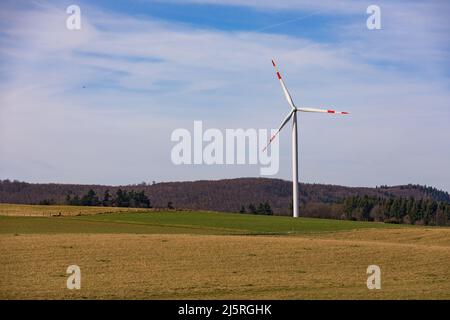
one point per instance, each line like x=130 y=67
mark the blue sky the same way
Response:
x=98 y=105
x=230 y=18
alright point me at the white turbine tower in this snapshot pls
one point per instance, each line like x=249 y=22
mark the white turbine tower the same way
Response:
x=293 y=114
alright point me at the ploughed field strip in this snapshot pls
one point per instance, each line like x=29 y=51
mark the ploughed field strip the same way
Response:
x=201 y=255
x=26 y=210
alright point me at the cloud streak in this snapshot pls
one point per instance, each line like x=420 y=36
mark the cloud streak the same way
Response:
x=98 y=106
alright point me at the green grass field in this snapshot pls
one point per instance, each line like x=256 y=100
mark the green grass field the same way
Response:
x=178 y=222
x=149 y=254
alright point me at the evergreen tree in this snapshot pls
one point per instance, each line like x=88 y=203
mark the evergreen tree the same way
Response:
x=90 y=199
x=107 y=199
x=75 y=201
x=260 y=209
x=122 y=198
x=68 y=199
x=267 y=209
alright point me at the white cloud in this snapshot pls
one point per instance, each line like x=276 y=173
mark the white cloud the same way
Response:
x=142 y=78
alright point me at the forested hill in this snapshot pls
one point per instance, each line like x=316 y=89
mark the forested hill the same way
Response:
x=220 y=195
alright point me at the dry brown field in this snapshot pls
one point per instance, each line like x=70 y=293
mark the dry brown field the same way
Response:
x=141 y=257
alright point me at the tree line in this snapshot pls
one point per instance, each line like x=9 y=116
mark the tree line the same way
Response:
x=397 y=210
x=223 y=195
x=122 y=198
x=262 y=208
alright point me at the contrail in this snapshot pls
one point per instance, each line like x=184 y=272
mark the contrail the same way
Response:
x=288 y=21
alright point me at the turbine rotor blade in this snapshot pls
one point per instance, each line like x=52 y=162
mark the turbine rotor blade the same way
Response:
x=288 y=117
x=322 y=110
x=285 y=90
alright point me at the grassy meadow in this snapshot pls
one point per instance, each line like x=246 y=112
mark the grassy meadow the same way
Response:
x=144 y=254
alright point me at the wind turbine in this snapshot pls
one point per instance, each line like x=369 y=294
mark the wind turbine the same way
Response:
x=293 y=114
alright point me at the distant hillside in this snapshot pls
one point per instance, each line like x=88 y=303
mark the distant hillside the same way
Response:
x=221 y=195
